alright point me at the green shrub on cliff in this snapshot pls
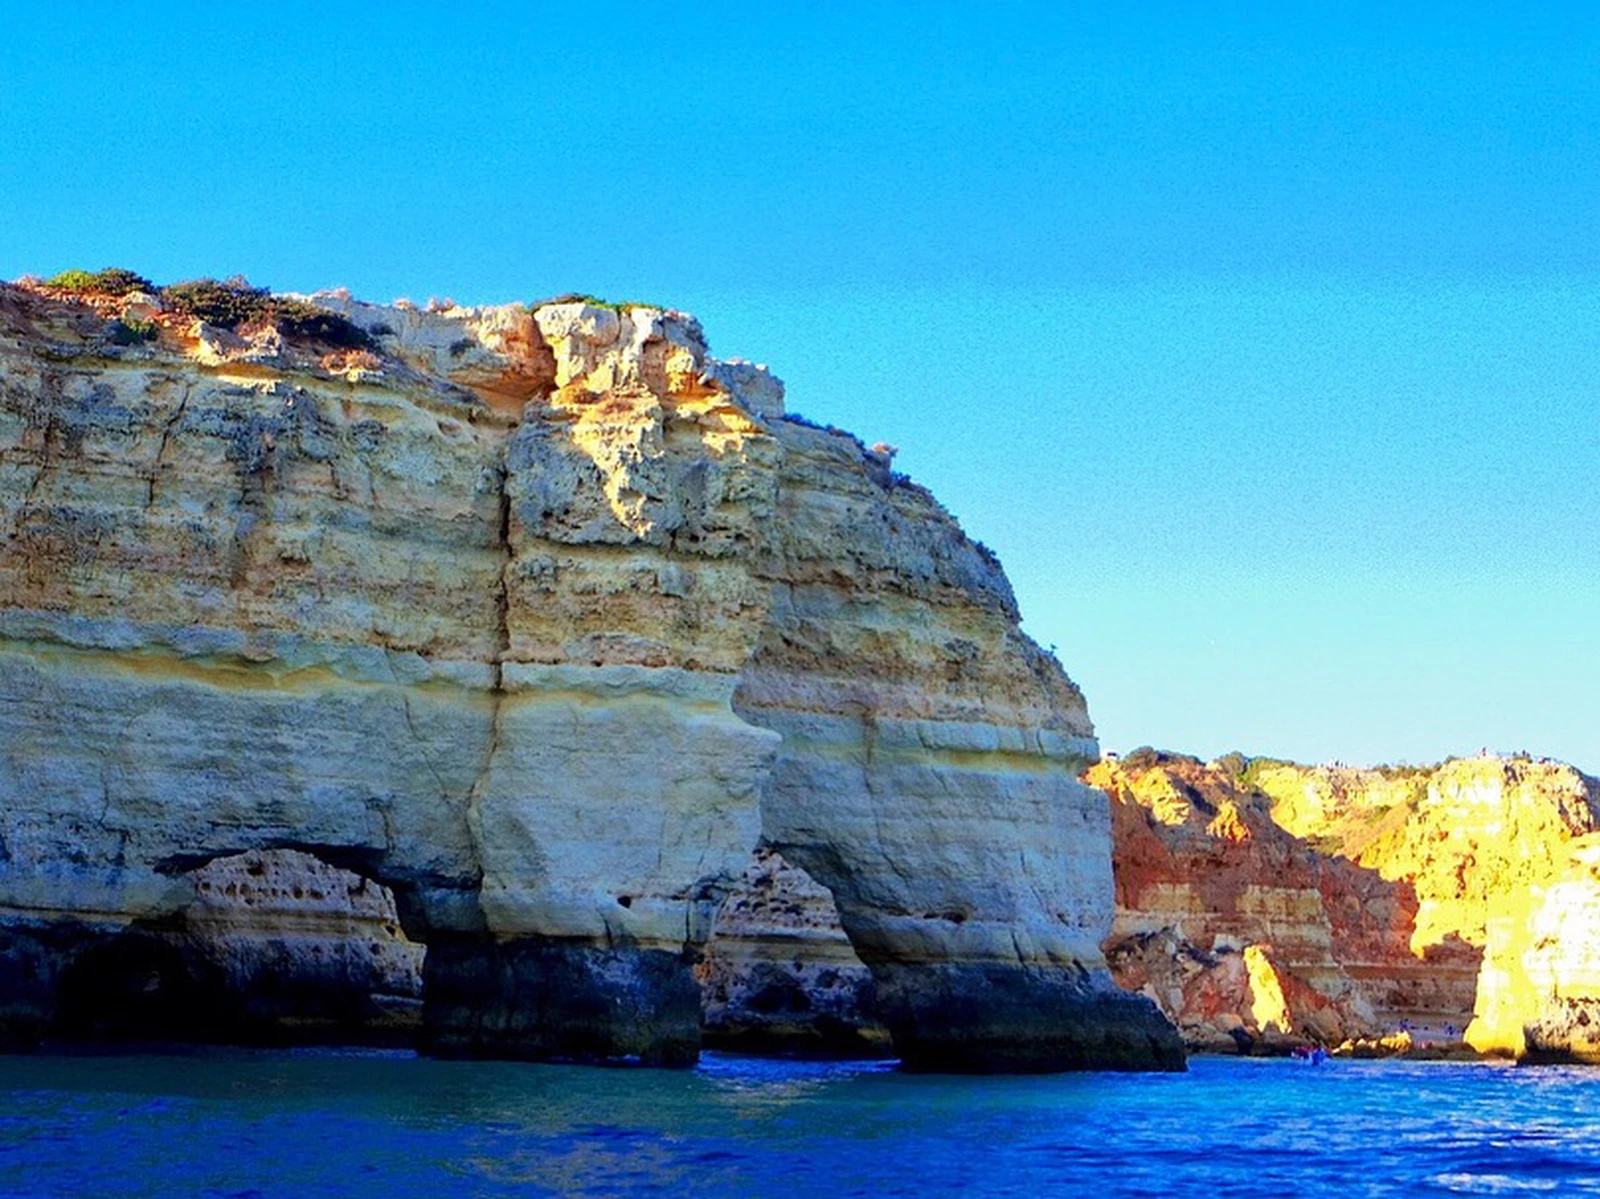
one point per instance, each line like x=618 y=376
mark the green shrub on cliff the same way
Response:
x=1145 y=757
x=1234 y=764
x=578 y=297
x=226 y=303
x=229 y=303
x=113 y=281
x=129 y=332
x=1250 y=776
x=299 y=319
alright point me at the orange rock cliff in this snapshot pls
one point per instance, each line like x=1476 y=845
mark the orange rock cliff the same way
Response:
x=1370 y=893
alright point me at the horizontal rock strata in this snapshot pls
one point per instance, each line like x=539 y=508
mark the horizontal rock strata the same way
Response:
x=277 y=947
x=1239 y=930
x=1461 y=833
x=1369 y=892
x=1252 y=938
x=540 y=618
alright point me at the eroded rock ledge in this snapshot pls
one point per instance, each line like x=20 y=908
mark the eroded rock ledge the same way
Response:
x=542 y=618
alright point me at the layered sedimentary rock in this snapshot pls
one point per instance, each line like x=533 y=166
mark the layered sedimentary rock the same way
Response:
x=1373 y=887
x=541 y=618
x=304 y=946
x=926 y=776
x=1462 y=833
x=1539 y=994
x=1242 y=933
x=278 y=946
x=1261 y=902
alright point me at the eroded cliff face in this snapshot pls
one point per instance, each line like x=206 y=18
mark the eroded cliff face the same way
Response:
x=1539 y=994
x=779 y=975
x=542 y=618
x=1368 y=889
x=1462 y=833
x=1368 y=907
x=1244 y=934
x=926 y=776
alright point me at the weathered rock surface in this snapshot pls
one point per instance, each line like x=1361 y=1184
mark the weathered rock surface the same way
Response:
x=1539 y=994
x=779 y=975
x=926 y=776
x=541 y=618
x=1366 y=892
x=1366 y=909
x=1241 y=932
x=277 y=947
x=1462 y=833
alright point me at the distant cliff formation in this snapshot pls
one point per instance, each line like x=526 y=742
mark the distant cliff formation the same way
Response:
x=541 y=619
x=1539 y=994
x=1243 y=933
x=1370 y=892
x=1263 y=903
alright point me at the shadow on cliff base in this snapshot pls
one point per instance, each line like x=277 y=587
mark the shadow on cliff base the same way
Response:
x=153 y=985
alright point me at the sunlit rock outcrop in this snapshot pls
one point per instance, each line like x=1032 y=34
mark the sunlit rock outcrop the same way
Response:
x=1462 y=833
x=1539 y=994
x=541 y=618
x=1240 y=931
x=1372 y=887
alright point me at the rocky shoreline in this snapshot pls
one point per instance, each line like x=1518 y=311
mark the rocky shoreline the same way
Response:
x=1424 y=912
x=525 y=682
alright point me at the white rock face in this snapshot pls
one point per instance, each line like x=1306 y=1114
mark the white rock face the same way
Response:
x=927 y=776
x=541 y=619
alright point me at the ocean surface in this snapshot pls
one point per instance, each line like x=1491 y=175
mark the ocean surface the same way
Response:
x=237 y=1123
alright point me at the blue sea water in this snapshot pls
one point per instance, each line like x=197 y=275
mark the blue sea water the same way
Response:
x=307 y=1124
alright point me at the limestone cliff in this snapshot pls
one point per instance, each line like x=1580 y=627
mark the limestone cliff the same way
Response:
x=1243 y=933
x=1371 y=885
x=542 y=618
x=1462 y=833
x=779 y=974
x=1260 y=902
x=1539 y=994
x=1467 y=836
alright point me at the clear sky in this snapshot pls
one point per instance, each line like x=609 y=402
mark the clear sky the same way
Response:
x=1263 y=348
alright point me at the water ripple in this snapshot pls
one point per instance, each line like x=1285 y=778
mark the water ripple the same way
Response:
x=307 y=1125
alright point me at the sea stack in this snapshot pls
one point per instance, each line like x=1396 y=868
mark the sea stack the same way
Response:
x=543 y=619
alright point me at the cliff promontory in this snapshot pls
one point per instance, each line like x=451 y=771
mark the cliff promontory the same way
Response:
x=1256 y=895
x=542 y=619
x=1539 y=994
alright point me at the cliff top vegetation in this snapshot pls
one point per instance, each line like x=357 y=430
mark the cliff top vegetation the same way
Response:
x=226 y=303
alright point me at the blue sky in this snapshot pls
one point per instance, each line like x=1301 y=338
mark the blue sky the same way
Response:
x=1263 y=348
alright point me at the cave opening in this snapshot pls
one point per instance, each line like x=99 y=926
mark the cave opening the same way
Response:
x=278 y=946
